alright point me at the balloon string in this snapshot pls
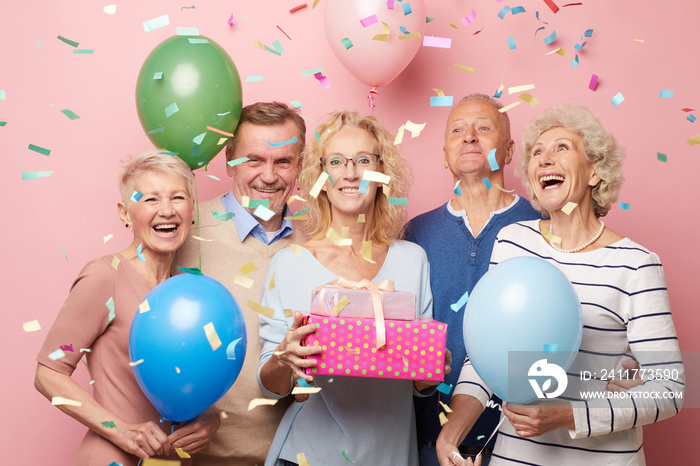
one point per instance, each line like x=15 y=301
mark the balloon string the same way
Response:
x=503 y=417
x=370 y=98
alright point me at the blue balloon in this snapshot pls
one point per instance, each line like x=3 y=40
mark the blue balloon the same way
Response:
x=184 y=369
x=521 y=312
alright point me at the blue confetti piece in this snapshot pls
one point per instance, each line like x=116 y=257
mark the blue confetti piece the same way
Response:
x=511 y=44
x=170 y=109
x=136 y=196
x=580 y=46
x=457 y=190
x=441 y=101
x=516 y=10
x=444 y=388
x=187 y=31
x=492 y=160
x=283 y=143
x=460 y=304
x=550 y=348
x=114 y=463
x=691 y=118
x=191 y=270
x=157 y=130
x=665 y=94
x=197 y=41
x=239 y=160
x=498 y=94
x=623 y=205
x=3 y=96
x=406 y=9
x=537 y=15
x=195 y=150
x=254 y=78
x=139 y=254
x=404 y=30
x=504 y=11
x=588 y=33
x=364 y=184
x=302 y=382
x=158 y=75
x=574 y=62
x=397 y=200
x=296 y=103
x=487 y=182
x=618 y=99
x=198 y=139
x=550 y=38
x=231 y=349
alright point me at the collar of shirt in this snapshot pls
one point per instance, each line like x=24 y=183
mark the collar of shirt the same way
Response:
x=463 y=214
x=246 y=224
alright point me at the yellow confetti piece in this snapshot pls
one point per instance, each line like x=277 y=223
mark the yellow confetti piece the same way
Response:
x=414 y=128
x=258 y=45
x=337 y=239
x=107 y=238
x=157 y=462
x=135 y=363
x=443 y=419
x=371 y=175
x=323 y=177
x=694 y=140
x=405 y=361
x=288 y=312
x=413 y=35
x=383 y=37
x=445 y=407
x=301 y=457
x=144 y=306
x=439 y=92
x=221 y=141
x=242 y=280
x=223 y=415
x=452 y=23
x=279 y=353
x=399 y=135
x=182 y=453
x=641 y=41
x=508 y=107
x=367 y=252
x=212 y=336
x=177 y=369
x=560 y=51
x=305 y=391
x=115 y=262
x=296 y=249
x=255 y=402
x=296 y=198
x=198 y=238
x=59 y=400
x=501 y=188
x=345 y=232
x=260 y=309
x=525 y=87
x=297 y=217
x=569 y=207
x=271 y=286
x=31 y=326
x=350 y=350
x=247 y=268
x=529 y=99
x=361 y=218
x=468 y=69
x=245 y=201
x=342 y=302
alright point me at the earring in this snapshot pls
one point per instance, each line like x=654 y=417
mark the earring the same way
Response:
x=192 y=222
x=127 y=225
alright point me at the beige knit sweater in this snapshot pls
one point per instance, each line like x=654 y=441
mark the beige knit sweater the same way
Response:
x=245 y=436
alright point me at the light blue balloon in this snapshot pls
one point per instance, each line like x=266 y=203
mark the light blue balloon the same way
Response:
x=171 y=336
x=523 y=309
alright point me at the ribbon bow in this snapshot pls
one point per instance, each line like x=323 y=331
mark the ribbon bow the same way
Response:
x=377 y=302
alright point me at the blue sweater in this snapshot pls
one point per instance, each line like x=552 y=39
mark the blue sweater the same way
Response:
x=457 y=261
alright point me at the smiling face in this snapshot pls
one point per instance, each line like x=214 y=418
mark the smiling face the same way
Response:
x=163 y=216
x=343 y=195
x=271 y=171
x=473 y=129
x=559 y=172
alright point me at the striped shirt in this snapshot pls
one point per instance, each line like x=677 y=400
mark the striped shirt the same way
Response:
x=626 y=314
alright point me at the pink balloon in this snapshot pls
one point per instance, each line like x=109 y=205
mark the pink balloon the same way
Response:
x=374 y=62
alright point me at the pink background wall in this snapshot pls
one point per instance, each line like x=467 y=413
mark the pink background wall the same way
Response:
x=75 y=207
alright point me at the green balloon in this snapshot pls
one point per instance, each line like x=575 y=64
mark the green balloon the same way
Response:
x=185 y=85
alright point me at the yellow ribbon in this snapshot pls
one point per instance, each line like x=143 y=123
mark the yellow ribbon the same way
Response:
x=377 y=302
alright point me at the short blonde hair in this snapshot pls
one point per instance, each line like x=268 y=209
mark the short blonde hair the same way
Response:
x=151 y=160
x=388 y=219
x=599 y=146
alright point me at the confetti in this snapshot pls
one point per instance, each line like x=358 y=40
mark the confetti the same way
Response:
x=511 y=43
x=661 y=157
x=468 y=69
x=345 y=455
x=308 y=73
x=191 y=270
x=224 y=133
x=29 y=176
x=569 y=207
x=231 y=349
x=439 y=42
x=406 y=8
x=347 y=43
x=139 y=254
x=136 y=363
x=691 y=118
x=463 y=300
x=487 y=182
x=384 y=36
x=504 y=11
x=144 y=307
x=560 y=51
x=68 y=41
x=444 y=388
x=296 y=103
x=443 y=419
x=155 y=23
x=342 y=302
x=618 y=99
x=457 y=190
x=263 y=212
x=322 y=178
x=230 y=21
x=223 y=216
x=110 y=9
x=254 y=78
x=136 y=196
x=492 y=160
x=171 y=109
x=517 y=9
x=301 y=457
x=368 y=21
x=157 y=462
x=58 y=354
x=31 y=326
x=397 y=201
x=247 y=268
x=296 y=8
x=260 y=309
x=39 y=149
x=415 y=35
x=361 y=218
x=70 y=114
x=525 y=87
x=694 y=140
x=305 y=391
x=378 y=177
x=212 y=336
x=574 y=62
x=234 y=162
x=550 y=38
x=624 y=205
x=242 y=280
x=283 y=143
x=182 y=453
x=479 y=437
x=508 y=107
x=441 y=101
x=529 y=99
x=338 y=240
x=445 y=407
x=255 y=402
x=3 y=95
x=68 y=348
x=110 y=306
x=59 y=400
x=551 y=5
x=469 y=18
x=187 y=31
x=115 y=262
x=594 y=82
x=501 y=188
x=322 y=80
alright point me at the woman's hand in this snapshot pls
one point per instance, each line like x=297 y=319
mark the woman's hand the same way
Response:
x=289 y=360
x=425 y=384
x=143 y=440
x=533 y=421
x=622 y=385
x=196 y=434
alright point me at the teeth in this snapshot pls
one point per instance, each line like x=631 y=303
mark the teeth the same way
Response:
x=349 y=190
x=165 y=227
x=545 y=179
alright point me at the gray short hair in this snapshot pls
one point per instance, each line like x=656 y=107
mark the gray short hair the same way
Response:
x=599 y=146
x=151 y=160
x=492 y=101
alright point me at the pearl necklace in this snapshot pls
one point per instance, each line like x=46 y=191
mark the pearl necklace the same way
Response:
x=577 y=249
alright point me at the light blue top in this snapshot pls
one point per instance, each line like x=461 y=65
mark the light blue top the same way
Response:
x=371 y=420
x=246 y=224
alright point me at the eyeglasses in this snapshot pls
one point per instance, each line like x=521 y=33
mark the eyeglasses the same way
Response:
x=338 y=163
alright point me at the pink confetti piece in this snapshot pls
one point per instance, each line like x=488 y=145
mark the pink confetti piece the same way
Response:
x=230 y=21
x=551 y=5
x=390 y=4
x=323 y=80
x=439 y=42
x=469 y=18
x=368 y=21
x=594 y=82
x=68 y=348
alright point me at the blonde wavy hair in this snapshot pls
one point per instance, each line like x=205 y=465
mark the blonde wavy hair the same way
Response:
x=388 y=219
x=599 y=146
